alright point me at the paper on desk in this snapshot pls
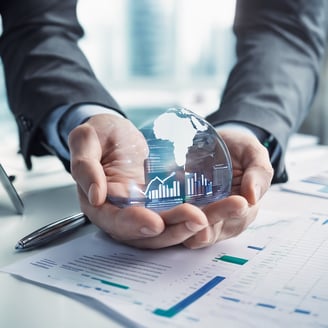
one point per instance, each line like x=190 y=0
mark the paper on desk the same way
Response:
x=314 y=185
x=273 y=275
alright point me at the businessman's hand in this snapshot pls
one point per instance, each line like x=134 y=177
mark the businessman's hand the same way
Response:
x=252 y=175
x=226 y=218
x=107 y=151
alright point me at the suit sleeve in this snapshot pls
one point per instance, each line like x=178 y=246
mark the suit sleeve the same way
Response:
x=279 y=49
x=44 y=67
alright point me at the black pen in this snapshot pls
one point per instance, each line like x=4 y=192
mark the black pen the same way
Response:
x=51 y=232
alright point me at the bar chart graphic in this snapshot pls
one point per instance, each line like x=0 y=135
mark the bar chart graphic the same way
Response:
x=196 y=184
x=161 y=189
x=179 y=187
x=187 y=161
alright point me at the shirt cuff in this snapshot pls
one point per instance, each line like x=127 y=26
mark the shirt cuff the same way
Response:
x=235 y=127
x=63 y=120
x=265 y=138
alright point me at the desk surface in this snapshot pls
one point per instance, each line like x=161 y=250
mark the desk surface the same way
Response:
x=28 y=305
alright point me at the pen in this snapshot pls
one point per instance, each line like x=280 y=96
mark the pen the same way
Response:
x=51 y=232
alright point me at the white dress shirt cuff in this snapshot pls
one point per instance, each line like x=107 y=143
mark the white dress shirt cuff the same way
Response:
x=265 y=138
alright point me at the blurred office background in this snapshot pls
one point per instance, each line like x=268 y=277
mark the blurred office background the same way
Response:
x=152 y=54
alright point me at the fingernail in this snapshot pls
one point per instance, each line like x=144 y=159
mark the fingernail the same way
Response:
x=93 y=194
x=194 y=227
x=148 y=232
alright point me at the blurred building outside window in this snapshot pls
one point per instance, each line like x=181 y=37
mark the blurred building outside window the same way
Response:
x=152 y=54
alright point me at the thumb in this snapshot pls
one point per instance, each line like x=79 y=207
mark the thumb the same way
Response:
x=255 y=183
x=86 y=168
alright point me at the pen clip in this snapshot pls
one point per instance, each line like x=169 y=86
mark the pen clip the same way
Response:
x=51 y=231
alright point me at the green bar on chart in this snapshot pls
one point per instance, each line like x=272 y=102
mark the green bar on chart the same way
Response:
x=232 y=259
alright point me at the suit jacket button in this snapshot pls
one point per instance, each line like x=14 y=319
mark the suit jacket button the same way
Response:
x=25 y=123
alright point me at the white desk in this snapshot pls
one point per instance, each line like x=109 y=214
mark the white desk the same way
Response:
x=48 y=193
x=52 y=195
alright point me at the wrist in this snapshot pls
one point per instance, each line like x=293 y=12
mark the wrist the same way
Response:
x=76 y=116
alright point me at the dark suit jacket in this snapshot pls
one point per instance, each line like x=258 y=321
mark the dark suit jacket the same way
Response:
x=279 y=47
x=280 y=44
x=44 y=67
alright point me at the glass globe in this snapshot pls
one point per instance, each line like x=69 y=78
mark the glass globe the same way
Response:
x=188 y=162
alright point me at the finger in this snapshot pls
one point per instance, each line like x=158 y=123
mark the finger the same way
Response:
x=255 y=182
x=258 y=173
x=253 y=171
x=123 y=224
x=233 y=213
x=181 y=223
x=193 y=217
x=234 y=218
x=232 y=206
x=131 y=223
x=86 y=168
x=204 y=238
x=226 y=218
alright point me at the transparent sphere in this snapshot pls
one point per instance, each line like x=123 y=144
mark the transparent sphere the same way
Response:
x=188 y=162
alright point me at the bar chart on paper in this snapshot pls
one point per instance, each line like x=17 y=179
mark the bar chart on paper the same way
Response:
x=314 y=185
x=287 y=281
x=284 y=281
x=275 y=271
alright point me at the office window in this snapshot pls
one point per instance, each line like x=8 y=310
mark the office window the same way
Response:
x=157 y=53
x=151 y=54
x=7 y=124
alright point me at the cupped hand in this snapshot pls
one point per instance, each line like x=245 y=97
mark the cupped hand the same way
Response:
x=252 y=175
x=109 y=151
x=107 y=154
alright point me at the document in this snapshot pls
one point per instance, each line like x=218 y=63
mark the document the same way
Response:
x=314 y=185
x=275 y=274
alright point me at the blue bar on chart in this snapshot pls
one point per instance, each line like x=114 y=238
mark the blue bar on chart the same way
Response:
x=257 y=248
x=233 y=299
x=175 y=309
x=302 y=311
x=268 y=306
